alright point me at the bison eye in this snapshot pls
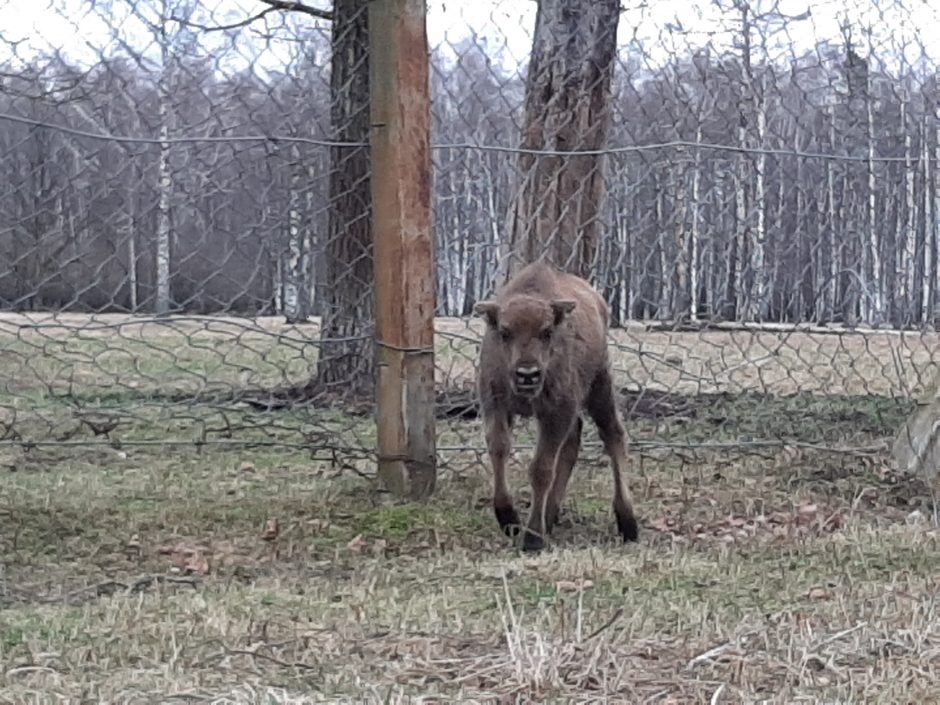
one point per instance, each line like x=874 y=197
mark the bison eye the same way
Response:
x=546 y=334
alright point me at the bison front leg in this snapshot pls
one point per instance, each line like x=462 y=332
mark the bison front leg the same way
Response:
x=566 y=462
x=553 y=434
x=499 y=444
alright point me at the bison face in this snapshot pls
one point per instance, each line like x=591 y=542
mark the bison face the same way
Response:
x=525 y=328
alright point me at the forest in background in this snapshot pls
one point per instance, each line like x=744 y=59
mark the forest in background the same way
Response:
x=814 y=200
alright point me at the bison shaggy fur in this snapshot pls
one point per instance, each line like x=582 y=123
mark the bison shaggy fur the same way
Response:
x=544 y=355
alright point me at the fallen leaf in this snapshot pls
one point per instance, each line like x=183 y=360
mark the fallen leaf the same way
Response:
x=271 y=530
x=819 y=593
x=355 y=545
x=247 y=467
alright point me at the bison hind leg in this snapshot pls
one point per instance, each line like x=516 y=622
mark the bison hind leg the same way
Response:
x=602 y=407
x=508 y=519
x=532 y=542
x=626 y=522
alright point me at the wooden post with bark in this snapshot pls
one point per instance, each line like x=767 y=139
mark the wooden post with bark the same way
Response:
x=403 y=245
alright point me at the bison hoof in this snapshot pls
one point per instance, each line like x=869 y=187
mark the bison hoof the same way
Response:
x=628 y=528
x=532 y=542
x=508 y=520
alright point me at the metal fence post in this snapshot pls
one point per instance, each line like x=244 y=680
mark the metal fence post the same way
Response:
x=404 y=253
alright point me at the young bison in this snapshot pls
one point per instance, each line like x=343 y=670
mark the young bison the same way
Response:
x=544 y=354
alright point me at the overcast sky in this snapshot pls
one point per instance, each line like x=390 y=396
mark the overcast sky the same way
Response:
x=81 y=28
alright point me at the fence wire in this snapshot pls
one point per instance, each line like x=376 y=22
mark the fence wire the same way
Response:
x=185 y=236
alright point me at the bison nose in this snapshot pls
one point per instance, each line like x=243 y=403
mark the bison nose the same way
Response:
x=528 y=377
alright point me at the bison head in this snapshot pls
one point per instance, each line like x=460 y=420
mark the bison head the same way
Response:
x=525 y=326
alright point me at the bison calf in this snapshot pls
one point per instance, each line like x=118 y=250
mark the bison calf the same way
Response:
x=544 y=354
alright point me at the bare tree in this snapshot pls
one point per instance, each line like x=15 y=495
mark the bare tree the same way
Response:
x=346 y=363
x=556 y=206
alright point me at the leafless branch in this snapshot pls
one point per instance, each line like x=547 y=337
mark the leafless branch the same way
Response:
x=225 y=27
x=300 y=7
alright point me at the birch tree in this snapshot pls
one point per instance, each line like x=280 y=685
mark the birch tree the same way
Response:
x=162 y=301
x=906 y=252
x=873 y=259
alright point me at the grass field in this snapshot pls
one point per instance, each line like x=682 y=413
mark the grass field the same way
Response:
x=243 y=567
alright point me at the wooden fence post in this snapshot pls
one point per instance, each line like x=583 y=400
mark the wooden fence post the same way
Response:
x=403 y=248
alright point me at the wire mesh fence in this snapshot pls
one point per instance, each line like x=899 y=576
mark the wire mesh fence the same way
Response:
x=185 y=234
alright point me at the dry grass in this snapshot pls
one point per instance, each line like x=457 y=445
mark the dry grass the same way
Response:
x=139 y=573
x=760 y=581
x=195 y=353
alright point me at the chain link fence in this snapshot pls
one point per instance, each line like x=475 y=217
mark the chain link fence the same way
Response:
x=185 y=237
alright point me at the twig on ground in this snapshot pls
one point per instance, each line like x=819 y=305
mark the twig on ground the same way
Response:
x=265 y=657
x=147 y=580
x=717 y=694
x=606 y=625
x=710 y=654
x=30 y=669
x=839 y=635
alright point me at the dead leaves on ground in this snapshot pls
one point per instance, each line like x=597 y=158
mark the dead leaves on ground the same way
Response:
x=272 y=529
x=807 y=519
x=187 y=558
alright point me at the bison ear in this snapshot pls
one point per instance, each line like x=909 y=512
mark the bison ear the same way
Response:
x=489 y=310
x=561 y=308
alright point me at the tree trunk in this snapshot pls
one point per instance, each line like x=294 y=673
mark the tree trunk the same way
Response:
x=131 y=205
x=346 y=363
x=296 y=293
x=694 y=262
x=924 y=283
x=556 y=206
x=758 y=296
x=876 y=307
x=834 y=247
x=682 y=296
x=665 y=276
x=738 y=294
x=906 y=253
x=930 y=237
x=165 y=186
